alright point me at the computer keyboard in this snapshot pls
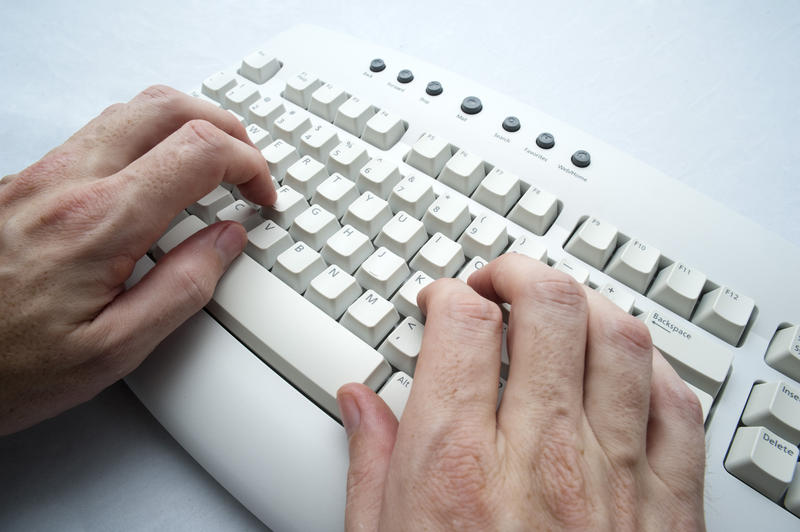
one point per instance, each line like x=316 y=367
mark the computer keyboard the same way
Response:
x=391 y=173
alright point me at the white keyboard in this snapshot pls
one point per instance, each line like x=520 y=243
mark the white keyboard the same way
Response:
x=392 y=172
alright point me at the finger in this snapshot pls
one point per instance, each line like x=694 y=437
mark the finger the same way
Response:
x=180 y=284
x=546 y=338
x=616 y=395
x=371 y=431
x=459 y=362
x=675 y=436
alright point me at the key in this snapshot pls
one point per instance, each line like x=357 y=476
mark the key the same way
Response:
x=197 y=93
x=297 y=266
x=378 y=176
x=705 y=400
x=353 y=114
x=475 y=264
x=314 y=226
x=265 y=111
x=619 y=297
x=347 y=248
x=448 y=215
x=573 y=269
x=792 y=500
x=241 y=212
x=535 y=211
x=370 y=317
x=634 y=264
x=593 y=242
x=395 y=392
x=413 y=194
x=368 y=214
x=439 y=257
x=528 y=245
x=486 y=236
x=382 y=272
x=290 y=126
x=259 y=136
x=325 y=101
x=259 y=67
x=384 y=130
x=286 y=208
x=216 y=85
x=266 y=241
x=240 y=97
x=678 y=287
x=463 y=172
x=402 y=235
x=499 y=190
x=405 y=299
x=335 y=194
x=206 y=208
x=762 y=460
x=182 y=230
x=784 y=352
x=280 y=156
x=429 y=154
x=696 y=358
x=333 y=291
x=776 y=406
x=347 y=158
x=724 y=313
x=305 y=176
x=300 y=87
x=401 y=348
x=318 y=142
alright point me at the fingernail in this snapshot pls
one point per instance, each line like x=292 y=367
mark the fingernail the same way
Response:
x=351 y=415
x=229 y=243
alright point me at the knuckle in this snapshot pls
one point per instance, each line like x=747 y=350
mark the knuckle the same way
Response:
x=462 y=305
x=558 y=289
x=461 y=476
x=196 y=287
x=159 y=94
x=630 y=333
x=202 y=134
x=112 y=109
x=81 y=208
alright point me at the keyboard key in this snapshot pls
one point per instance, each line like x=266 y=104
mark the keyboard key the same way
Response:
x=266 y=241
x=405 y=299
x=724 y=313
x=439 y=257
x=475 y=264
x=621 y=298
x=318 y=142
x=286 y=208
x=705 y=400
x=486 y=236
x=429 y=154
x=314 y=226
x=784 y=352
x=353 y=114
x=216 y=85
x=300 y=87
x=305 y=175
x=383 y=272
x=384 y=130
x=413 y=194
x=634 y=264
x=499 y=191
x=240 y=97
x=333 y=291
x=335 y=194
x=593 y=242
x=241 y=212
x=206 y=208
x=403 y=235
x=535 y=211
x=370 y=317
x=776 y=406
x=259 y=67
x=347 y=248
x=530 y=246
x=762 y=460
x=265 y=111
x=463 y=172
x=572 y=268
x=180 y=232
x=368 y=214
x=290 y=126
x=448 y=215
x=197 y=93
x=401 y=348
x=792 y=500
x=259 y=136
x=678 y=287
x=280 y=155
x=325 y=101
x=395 y=392
x=378 y=176
x=347 y=158
x=297 y=266
x=696 y=358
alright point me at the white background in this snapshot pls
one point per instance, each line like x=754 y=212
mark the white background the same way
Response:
x=704 y=92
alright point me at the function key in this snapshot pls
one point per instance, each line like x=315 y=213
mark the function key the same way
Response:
x=545 y=141
x=259 y=67
x=377 y=65
x=511 y=124
x=405 y=76
x=471 y=105
x=581 y=158
x=434 y=88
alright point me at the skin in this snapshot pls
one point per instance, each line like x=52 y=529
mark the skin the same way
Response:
x=595 y=430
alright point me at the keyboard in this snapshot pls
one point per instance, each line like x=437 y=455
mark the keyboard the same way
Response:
x=392 y=172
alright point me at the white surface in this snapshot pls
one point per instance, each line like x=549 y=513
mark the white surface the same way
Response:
x=704 y=93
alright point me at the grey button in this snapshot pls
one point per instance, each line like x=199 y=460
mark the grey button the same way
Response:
x=545 y=141
x=405 y=76
x=511 y=123
x=581 y=158
x=471 y=105
x=376 y=65
x=434 y=88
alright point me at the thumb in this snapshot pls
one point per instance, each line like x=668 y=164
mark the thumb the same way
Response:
x=371 y=430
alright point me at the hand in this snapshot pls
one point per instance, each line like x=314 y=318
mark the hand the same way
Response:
x=595 y=430
x=73 y=225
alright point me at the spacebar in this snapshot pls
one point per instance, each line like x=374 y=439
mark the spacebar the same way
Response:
x=302 y=343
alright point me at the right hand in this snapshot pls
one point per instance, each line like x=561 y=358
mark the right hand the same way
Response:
x=595 y=430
